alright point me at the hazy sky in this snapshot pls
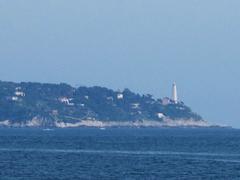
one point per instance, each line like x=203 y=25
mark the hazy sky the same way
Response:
x=144 y=45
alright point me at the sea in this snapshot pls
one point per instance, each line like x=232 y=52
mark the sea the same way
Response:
x=119 y=153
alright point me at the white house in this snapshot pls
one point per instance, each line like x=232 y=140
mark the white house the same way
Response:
x=160 y=115
x=120 y=96
x=66 y=100
x=14 y=98
x=19 y=93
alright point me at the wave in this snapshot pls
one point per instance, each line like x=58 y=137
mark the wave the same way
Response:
x=89 y=151
x=216 y=160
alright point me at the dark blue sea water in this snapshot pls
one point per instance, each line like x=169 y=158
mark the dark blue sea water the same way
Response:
x=85 y=153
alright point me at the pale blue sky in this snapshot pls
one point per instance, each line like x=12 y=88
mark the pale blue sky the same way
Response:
x=144 y=45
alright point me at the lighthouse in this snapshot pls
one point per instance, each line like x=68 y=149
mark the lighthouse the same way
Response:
x=174 y=93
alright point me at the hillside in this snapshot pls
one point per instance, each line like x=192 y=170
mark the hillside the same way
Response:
x=50 y=105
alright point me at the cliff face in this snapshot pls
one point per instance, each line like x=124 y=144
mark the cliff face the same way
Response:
x=36 y=104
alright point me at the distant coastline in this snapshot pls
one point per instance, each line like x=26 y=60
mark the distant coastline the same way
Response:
x=29 y=104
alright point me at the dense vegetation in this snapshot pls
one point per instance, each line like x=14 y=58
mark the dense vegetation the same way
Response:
x=20 y=102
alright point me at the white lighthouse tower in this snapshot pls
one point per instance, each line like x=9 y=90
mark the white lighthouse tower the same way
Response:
x=174 y=93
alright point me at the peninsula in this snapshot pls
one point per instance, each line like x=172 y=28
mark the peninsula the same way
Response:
x=28 y=104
